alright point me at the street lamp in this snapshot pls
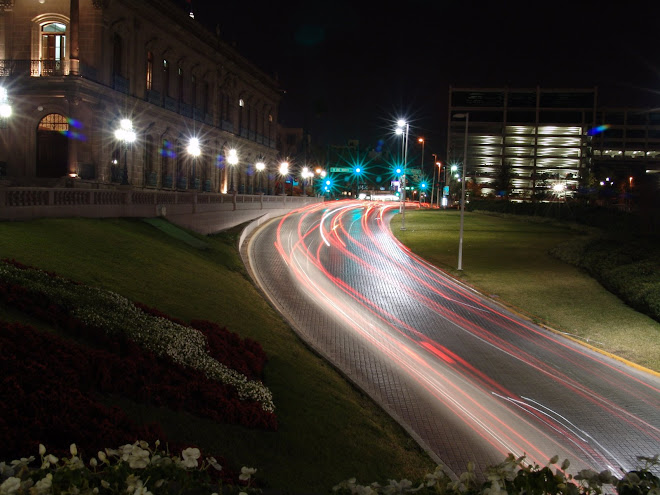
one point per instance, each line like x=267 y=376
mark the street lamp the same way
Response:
x=401 y=124
x=466 y=116
x=439 y=164
x=260 y=166
x=284 y=170
x=423 y=142
x=126 y=135
x=435 y=162
x=306 y=174
x=232 y=159
x=194 y=150
x=5 y=107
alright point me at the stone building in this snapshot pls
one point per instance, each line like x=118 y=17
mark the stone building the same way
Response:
x=133 y=92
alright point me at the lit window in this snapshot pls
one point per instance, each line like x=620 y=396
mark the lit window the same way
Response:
x=150 y=70
x=241 y=103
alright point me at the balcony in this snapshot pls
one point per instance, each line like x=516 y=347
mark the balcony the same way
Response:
x=34 y=68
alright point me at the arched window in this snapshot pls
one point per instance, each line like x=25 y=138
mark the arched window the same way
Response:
x=150 y=173
x=166 y=153
x=53 y=48
x=117 y=47
x=193 y=91
x=179 y=84
x=166 y=78
x=181 y=179
x=150 y=70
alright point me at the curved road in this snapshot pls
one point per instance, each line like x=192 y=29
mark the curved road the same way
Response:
x=468 y=379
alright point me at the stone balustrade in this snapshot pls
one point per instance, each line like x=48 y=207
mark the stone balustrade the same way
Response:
x=203 y=212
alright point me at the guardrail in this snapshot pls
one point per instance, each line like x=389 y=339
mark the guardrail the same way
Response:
x=18 y=203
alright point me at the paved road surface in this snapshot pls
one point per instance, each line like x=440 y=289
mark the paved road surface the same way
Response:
x=468 y=379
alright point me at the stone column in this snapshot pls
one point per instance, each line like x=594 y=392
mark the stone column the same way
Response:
x=74 y=54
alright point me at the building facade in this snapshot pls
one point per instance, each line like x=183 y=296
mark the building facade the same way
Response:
x=547 y=143
x=111 y=92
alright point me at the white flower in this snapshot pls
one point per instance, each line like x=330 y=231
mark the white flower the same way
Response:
x=22 y=462
x=102 y=457
x=495 y=489
x=246 y=473
x=131 y=483
x=214 y=463
x=5 y=471
x=73 y=449
x=42 y=449
x=402 y=486
x=190 y=456
x=52 y=459
x=93 y=462
x=76 y=463
x=137 y=458
x=44 y=485
x=141 y=489
x=105 y=484
x=10 y=485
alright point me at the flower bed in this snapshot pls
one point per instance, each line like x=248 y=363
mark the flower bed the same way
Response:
x=49 y=382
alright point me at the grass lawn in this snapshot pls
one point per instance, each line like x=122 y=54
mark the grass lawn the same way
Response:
x=328 y=431
x=507 y=258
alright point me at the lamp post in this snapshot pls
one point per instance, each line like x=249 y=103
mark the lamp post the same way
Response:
x=435 y=162
x=194 y=150
x=232 y=159
x=260 y=166
x=5 y=107
x=402 y=128
x=423 y=142
x=284 y=170
x=439 y=165
x=466 y=116
x=126 y=135
x=304 y=174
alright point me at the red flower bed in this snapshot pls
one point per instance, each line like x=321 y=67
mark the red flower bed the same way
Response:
x=44 y=399
x=119 y=366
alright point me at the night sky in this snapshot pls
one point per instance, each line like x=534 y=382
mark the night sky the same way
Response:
x=350 y=69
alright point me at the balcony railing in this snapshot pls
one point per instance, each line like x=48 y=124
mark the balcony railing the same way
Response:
x=34 y=68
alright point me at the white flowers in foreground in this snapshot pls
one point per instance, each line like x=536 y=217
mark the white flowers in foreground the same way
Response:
x=117 y=315
x=131 y=469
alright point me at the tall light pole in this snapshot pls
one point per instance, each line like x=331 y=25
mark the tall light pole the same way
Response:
x=435 y=162
x=194 y=150
x=465 y=115
x=305 y=174
x=232 y=159
x=126 y=135
x=439 y=165
x=284 y=170
x=260 y=166
x=5 y=107
x=402 y=128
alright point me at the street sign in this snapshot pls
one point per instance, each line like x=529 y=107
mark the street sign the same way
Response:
x=414 y=171
x=340 y=170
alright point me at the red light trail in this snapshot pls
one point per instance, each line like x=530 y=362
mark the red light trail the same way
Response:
x=447 y=363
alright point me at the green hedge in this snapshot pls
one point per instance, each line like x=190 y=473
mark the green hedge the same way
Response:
x=645 y=222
